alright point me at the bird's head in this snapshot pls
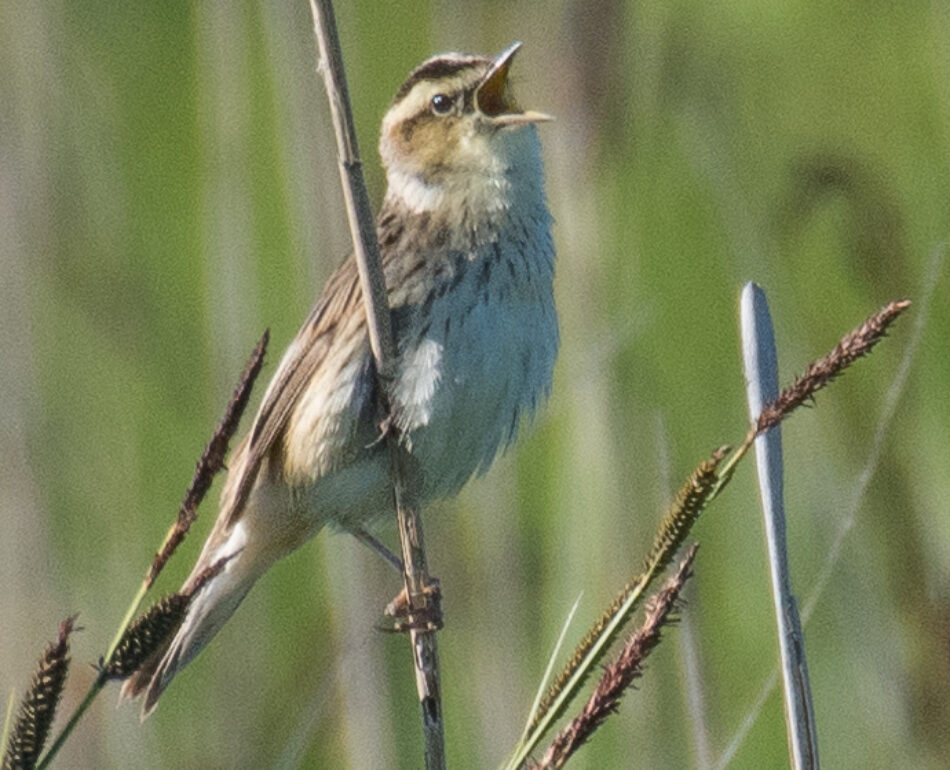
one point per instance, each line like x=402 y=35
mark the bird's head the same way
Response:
x=455 y=130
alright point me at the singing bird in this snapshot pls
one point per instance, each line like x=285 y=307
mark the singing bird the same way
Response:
x=465 y=240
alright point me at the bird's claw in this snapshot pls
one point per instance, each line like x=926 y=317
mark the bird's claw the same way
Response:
x=386 y=426
x=405 y=617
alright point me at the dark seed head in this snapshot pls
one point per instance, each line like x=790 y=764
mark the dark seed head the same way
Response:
x=146 y=635
x=38 y=707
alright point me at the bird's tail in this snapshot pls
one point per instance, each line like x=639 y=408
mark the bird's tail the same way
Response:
x=214 y=601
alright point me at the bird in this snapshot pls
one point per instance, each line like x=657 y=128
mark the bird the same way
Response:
x=465 y=240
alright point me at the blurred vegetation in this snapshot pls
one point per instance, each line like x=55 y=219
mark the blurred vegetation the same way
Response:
x=168 y=188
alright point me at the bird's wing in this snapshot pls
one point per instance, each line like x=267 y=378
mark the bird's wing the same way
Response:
x=301 y=361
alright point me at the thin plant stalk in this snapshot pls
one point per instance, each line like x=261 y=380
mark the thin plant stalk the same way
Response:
x=620 y=674
x=550 y=669
x=891 y=399
x=8 y=720
x=528 y=743
x=404 y=472
x=97 y=684
x=706 y=483
x=211 y=462
x=761 y=372
x=101 y=680
x=675 y=527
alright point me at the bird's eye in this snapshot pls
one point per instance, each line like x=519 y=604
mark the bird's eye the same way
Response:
x=441 y=104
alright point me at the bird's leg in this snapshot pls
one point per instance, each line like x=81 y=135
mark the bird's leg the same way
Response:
x=376 y=545
x=426 y=618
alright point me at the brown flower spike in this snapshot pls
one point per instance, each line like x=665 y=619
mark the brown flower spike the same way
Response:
x=212 y=460
x=621 y=672
x=682 y=514
x=38 y=707
x=854 y=345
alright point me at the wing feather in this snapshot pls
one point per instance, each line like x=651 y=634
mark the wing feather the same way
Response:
x=300 y=363
x=340 y=300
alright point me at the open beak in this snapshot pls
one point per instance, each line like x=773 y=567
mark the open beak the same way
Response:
x=494 y=98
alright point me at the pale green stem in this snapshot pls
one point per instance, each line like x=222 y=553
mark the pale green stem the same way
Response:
x=99 y=682
x=7 y=722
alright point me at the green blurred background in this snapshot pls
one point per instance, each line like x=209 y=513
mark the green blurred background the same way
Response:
x=168 y=189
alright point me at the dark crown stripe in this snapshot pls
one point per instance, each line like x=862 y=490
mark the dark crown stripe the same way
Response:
x=436 y=69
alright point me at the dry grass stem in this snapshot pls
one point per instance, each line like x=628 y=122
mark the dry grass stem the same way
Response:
x=406 y=485
x=675 y=527
x=621 y=673
x=38 y=707
x=854 y=345
x=212 y=460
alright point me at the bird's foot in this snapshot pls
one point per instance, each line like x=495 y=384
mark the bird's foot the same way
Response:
x=387 y=427
x=427 y=617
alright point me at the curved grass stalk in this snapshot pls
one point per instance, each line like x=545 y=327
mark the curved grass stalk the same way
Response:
x=689 y=503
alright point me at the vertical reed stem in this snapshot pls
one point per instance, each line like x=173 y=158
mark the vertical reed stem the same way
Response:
x=405 y=474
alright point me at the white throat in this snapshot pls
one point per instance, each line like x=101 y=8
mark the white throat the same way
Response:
x=414 y=193
x=510 y=177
